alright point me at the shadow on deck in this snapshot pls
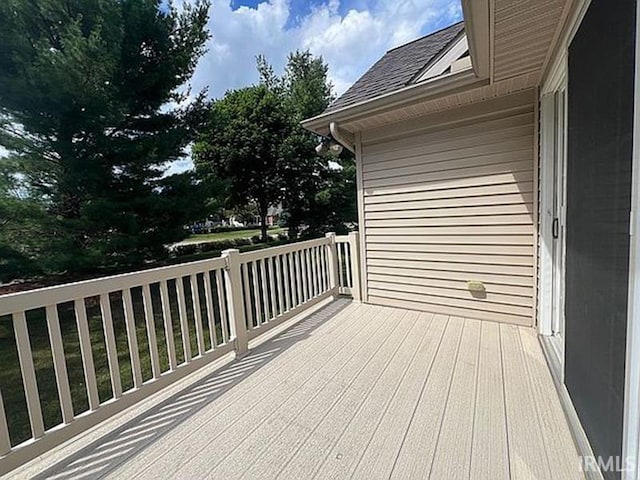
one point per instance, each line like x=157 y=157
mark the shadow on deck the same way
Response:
x=102 y=456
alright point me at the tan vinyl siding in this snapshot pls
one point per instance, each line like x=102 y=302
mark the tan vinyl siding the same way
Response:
x=448 y=202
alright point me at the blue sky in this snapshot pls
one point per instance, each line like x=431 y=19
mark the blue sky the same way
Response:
x=349 y=34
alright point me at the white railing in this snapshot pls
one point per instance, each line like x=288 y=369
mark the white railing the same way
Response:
x=175 y=318
x=347 y=249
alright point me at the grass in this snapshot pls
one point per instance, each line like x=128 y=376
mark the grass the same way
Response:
x=10 y=376
x=211 y=237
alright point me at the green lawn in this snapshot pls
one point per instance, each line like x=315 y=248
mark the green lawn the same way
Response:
x=211 y=237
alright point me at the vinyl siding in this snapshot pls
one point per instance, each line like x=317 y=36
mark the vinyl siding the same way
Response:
x=450 y=199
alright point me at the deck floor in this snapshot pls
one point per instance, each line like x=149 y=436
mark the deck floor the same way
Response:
x=355 y=391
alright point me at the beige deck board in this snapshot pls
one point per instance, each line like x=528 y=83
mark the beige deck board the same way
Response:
x=238 y=421
x=301 y=408
x=453 y=451
x=555 y=431
x=416 y=455
x=489 y=451
x=342 y=459
x=369 y=392
x=527 y=453
x=339 y=411
x=270 y=376
x=382 y=450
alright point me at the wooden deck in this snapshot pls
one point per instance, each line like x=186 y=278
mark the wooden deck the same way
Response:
x=352 y=391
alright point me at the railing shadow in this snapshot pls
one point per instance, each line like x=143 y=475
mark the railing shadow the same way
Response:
x=112 y=450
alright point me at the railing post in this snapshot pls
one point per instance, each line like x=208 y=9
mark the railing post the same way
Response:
x=332 y=260
x=237 y=321
x=354 y=249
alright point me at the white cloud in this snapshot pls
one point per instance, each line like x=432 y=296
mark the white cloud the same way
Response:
x=351 y=35
x=350 y=42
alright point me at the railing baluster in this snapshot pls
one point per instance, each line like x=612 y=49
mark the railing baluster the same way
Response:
x=110 y=342
x=59 y=363
x=311 y=274
x=323 y=266
x=5 y=440
x=197 y=313
x=256 y=292
x=299 y=279
x=340 y=264
x=278 y=260
x=87 y=354
x=151 y=330
x=223 y=311
x=211 y=319
x=347 y=261
x=289 y=279
x=265 y=293
x=320 y=268
x=314 y=272
x=132 y=339
x=184 y=320
x=302 y=256
x=272 y=286
x=317 y=266
x=247 y=294
x=168 y=325
x=28 y=374
x=354 y=248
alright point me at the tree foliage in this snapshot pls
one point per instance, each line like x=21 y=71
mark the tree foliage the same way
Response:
x=242 y=144
x=254 y=142
x=318 y=191
x=89 y=114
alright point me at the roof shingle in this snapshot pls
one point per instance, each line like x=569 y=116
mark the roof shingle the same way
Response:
x=397 y=67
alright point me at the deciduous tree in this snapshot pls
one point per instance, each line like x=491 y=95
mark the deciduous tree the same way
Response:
x=242 y=144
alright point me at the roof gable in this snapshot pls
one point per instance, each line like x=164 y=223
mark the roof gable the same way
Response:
x=398 y=67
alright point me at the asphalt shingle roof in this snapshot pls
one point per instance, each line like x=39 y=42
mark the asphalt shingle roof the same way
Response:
x=397 y=67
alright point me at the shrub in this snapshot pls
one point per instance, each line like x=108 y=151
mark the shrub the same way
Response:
x=239 y=242
x=186 y=249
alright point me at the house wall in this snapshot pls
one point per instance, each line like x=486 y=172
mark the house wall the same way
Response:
x=449 y=198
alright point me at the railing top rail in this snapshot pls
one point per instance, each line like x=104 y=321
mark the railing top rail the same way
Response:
x=41 y=297
x=342 y=238
x=273 y=251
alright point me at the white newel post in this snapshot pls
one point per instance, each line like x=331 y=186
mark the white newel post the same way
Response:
x=354 y=246
x=332 y=260
x=237 y=321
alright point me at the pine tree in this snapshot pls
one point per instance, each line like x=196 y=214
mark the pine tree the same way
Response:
x=91 y=111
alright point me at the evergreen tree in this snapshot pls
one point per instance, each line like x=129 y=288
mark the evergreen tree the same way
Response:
x=89 y=113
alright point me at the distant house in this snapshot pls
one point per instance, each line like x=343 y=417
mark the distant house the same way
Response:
x=497 y=161
x=273 y=216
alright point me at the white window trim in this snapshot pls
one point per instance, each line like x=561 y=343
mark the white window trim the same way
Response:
x=447 y=60
x=548 y=136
